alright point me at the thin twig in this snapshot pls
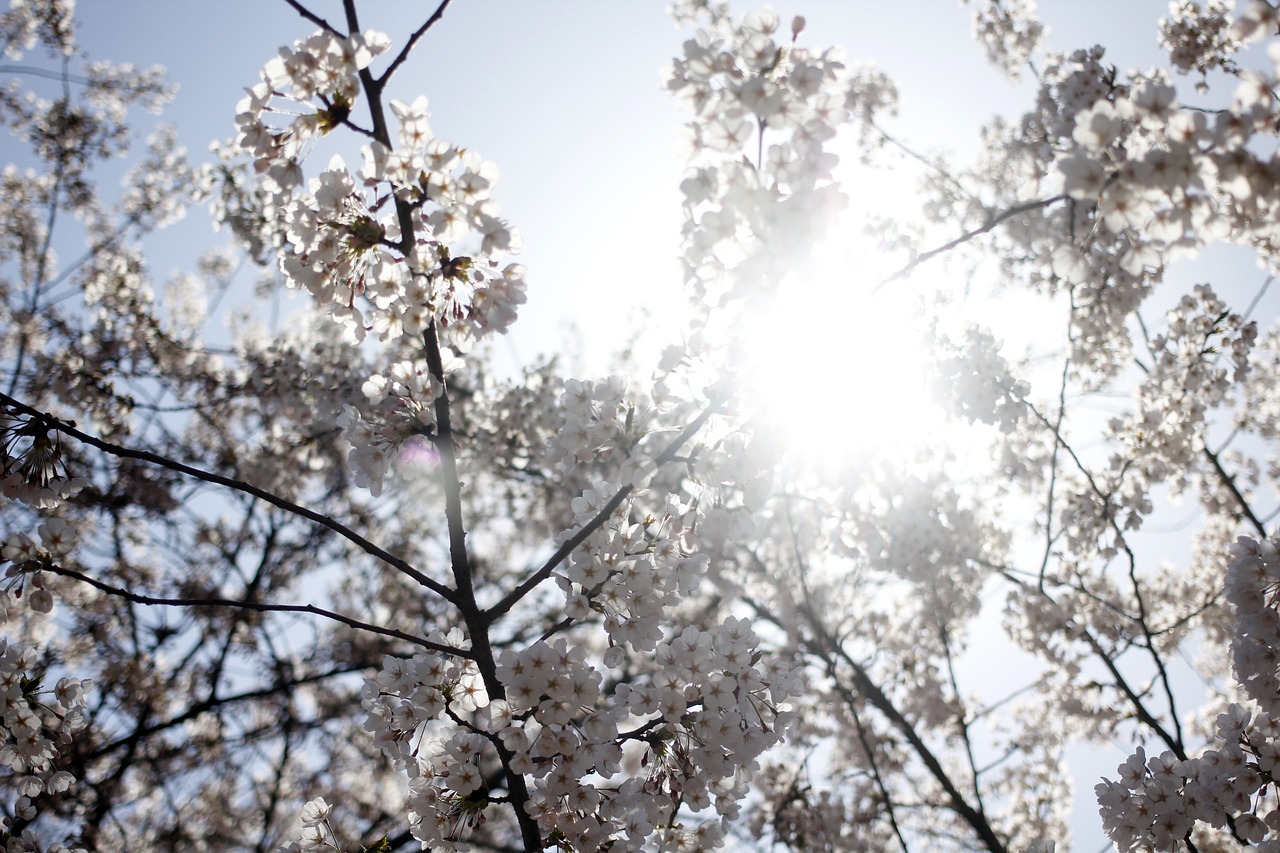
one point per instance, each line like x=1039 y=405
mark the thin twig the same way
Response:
x=962 y=721
x=1140 y=710
x=314 y=18
x=926 y=162
x=1053 y=460
x=413 y=39
x=1156 y=657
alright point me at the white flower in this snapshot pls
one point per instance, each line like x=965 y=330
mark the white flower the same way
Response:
x=315 y=811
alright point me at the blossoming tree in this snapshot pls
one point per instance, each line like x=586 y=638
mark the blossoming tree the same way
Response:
x=348 y=587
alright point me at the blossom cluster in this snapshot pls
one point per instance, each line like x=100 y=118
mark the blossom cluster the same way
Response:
x=35 y=470
x=1157 y=802
x=632 y=573
x=344 y=239
x=778 y=104
x=973 y=378
x=697 y=725
x=1253 y=589
x=1161 y=439
x=1260 y=400
x=401 y=405
x=708 y=710
x=24 y=24
x=324 y=68
x=1160 y=179
x=1009 y=31
x=1185 y=380
x=26 y=558
x=36 y=726
x=408 y=693
x=338 y=251
x=1199 y=36
x=595 y=417
x=316 y=834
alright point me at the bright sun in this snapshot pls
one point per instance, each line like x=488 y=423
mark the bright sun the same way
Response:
x=838 y=365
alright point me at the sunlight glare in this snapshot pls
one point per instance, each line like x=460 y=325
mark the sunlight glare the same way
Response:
x=839 y=365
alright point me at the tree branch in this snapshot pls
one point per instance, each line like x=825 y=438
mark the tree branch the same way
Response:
x=50 y=422
x=459 y=562
x=831 y=651
x=877 y=777
x=969 y=235
x=259 y=606
x=459 y=559
x=1139 y=709
x=413 y=39
x=1246 y=511
x=210 y=704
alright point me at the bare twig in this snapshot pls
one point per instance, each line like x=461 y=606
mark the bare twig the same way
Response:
x=926 y=162
x=413 y=39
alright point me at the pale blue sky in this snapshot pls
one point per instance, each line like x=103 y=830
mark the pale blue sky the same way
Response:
x=563 y=95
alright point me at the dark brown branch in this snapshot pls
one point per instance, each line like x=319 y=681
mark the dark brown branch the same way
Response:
x=443 y=440
x=1246 y=511
x=877 y=777
x=831 y=651
x=50 y=422
x=1149 y=640
x=259 y=606
x=976 y=820
x=474 y=619
x=314 y=18
x=459 y=559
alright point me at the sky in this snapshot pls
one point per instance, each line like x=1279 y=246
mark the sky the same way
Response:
x=564 y=96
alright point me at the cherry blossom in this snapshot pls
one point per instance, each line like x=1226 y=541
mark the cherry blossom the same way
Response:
x=417 y=599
